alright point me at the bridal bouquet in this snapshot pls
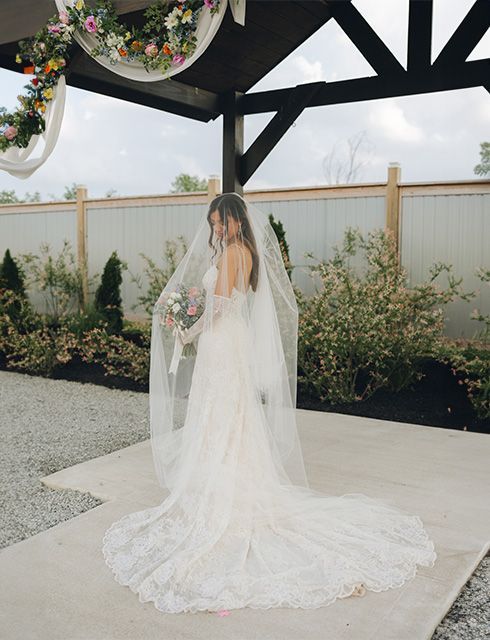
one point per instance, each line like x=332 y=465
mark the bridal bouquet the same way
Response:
x=182 y=308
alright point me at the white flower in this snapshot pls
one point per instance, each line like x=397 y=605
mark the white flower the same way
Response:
x=171 y=21
x=176 y=307
x=114 y=40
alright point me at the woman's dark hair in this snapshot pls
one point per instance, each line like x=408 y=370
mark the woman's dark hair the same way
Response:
x=233 y=205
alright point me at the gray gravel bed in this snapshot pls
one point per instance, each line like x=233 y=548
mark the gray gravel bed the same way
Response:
x=47 y=425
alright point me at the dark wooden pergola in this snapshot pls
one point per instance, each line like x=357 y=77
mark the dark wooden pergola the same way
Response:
x=219 y=82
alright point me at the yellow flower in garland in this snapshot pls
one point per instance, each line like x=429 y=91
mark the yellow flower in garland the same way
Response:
x=187 y=16
x=48 y=93
x=79 y=4
x=18 y=59
x=53 y=64
x=127 y=36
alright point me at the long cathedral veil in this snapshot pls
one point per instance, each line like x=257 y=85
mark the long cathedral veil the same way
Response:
x=232 y=268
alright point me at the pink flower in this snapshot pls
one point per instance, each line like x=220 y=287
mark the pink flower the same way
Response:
x=170 y=321
x=223 y=612
x=10 y=132
x=64 y=17
x=209 y=3
x=191 y=311
x=90 y=24
x=151 y=50
x=53 y=28
x=178 y=58
x=193 y=291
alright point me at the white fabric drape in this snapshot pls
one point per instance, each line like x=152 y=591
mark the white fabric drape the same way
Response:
x=18 y=162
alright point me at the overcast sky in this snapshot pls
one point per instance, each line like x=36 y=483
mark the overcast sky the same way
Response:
x=107 y=143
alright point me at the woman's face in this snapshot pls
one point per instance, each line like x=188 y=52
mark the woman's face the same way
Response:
x=219 y=228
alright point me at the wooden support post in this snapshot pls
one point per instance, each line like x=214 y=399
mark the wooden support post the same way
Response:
x=82 y=240
x=213 y=187
x=393 y=202
x=232 y=143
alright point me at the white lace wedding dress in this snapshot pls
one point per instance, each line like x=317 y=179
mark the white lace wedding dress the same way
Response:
x=230 y=535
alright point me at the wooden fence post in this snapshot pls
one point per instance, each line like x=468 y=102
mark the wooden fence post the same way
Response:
x=82 y=240
x=213 y=187
x=393 y=202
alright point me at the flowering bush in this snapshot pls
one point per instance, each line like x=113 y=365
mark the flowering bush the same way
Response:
x=26 y=342
x=471 y=359
x=364 y=331
x=58 y=279
x=119 y=357
x=157 y=277
x=167 y=39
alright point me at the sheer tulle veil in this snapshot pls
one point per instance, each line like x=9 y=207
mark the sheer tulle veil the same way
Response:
x=263 y=299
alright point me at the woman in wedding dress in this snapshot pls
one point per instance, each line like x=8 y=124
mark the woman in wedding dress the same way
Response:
x=240 y=527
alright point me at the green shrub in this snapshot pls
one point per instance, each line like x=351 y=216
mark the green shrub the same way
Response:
x=363 y=331
x=11 y=276
x=108 y=294
x=156 y=276
x=283 y=245
x=57 y=278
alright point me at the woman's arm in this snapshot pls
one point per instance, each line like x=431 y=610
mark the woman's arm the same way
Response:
x=225 y=281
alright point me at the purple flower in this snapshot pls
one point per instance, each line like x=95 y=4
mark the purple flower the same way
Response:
x=90 y=24
x=209 y=3
x=53 y=28
x=178 y=58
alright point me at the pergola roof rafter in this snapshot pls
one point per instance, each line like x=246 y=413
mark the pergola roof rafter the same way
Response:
x=218 y=82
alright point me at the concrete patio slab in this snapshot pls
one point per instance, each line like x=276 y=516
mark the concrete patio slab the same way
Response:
x=55 y=585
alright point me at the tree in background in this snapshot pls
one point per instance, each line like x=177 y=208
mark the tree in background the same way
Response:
x=281 y=238
x=347 y=158
x=483 y=169
x=108 y=295
x=10 y=197
x=183 y=183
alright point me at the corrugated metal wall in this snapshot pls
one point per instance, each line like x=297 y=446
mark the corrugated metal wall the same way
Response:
x=454 y=229
x=450 y=228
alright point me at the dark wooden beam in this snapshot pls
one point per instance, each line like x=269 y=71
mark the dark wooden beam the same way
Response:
x=364 y=37
x=462 y=76
x=23 y=18
x=469 y=33
x=296 y=102
x=233 y=126
x=166 y=95
x=419 y=34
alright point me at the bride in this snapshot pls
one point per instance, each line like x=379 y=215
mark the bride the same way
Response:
x=240 y=527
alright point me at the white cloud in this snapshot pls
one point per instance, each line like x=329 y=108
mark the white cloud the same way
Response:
x=388 y=118
x=310 y=71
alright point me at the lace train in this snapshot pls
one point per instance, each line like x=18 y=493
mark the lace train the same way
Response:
x=232 y=534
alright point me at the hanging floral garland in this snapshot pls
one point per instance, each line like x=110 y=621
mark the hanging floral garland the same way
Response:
x=166 y=40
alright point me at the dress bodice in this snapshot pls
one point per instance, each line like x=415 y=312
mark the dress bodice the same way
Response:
x=209 y=283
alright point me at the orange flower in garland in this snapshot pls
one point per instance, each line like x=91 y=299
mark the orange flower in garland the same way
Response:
x=136 y=45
